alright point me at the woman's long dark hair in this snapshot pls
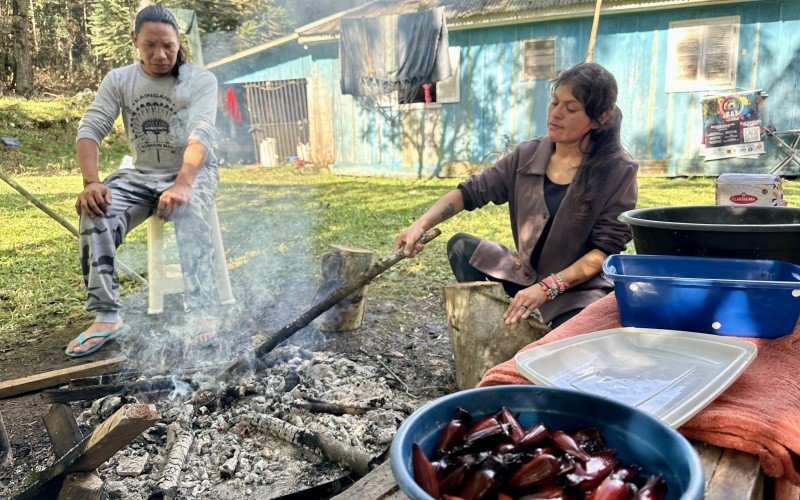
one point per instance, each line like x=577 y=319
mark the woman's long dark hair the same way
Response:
x=157 y=13
x=595 y=87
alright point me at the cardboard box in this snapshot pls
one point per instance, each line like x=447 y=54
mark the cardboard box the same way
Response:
x=764 y=190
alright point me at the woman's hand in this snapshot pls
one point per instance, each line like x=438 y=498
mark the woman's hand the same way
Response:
x=523 y=303
x=409 y=240
x=94 y=200
x=173 y=199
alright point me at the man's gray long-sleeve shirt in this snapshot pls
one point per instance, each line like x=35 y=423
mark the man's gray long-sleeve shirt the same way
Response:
x=160 y=114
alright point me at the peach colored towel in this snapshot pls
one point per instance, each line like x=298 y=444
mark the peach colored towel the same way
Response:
x=758 y=414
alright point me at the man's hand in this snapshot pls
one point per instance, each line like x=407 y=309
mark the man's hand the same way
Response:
x=94 y=200
x=409 y=240
x=523 y=303
x=173 y=200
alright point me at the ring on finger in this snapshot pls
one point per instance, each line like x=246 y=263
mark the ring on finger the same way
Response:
x=524 y=307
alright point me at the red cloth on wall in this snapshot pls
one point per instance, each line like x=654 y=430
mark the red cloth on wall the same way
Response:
x=232 y=105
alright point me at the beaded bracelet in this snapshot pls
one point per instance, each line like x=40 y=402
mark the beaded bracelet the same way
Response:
x=553 y=286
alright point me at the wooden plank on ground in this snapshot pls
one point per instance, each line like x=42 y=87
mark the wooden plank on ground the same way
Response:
x=62 y=428
x=709 y=456
x=18 y=386
x=379 y=483
x=738 y=475
x=108 y=438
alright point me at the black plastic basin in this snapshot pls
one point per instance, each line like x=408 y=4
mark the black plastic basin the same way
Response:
x=717 y=231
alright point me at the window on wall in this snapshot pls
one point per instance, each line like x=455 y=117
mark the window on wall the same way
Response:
x=702 y=54
x=539 y=59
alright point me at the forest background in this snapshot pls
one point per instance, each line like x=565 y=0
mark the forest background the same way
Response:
x=56 y=47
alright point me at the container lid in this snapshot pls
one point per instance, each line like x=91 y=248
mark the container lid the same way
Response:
x=670 y=374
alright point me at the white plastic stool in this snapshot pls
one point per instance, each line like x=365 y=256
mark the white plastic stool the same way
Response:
x=164 y=279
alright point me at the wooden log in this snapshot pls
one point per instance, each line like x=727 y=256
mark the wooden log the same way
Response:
x=6 y=455
x=262 y=345
x=332 y=408
x=98 y=391
x=182 y=439
x=54 y=378
x=343 y=454
x=81 y=486
x=62 y=428
x=479 y=336
x=340 y=265
x=108 y=438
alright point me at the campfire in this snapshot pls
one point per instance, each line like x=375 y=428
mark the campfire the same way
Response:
x=275 y=421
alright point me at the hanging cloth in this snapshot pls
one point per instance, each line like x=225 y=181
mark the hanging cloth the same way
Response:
x=232 y=105
x=400 y=52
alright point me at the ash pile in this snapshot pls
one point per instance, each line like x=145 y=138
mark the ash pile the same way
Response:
x=307 y=421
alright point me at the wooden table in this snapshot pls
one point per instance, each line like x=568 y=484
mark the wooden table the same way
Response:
x=730 y=475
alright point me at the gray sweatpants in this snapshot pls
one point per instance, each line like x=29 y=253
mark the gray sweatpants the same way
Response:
x=134 y=198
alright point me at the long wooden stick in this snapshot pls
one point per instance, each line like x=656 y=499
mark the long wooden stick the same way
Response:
x=593 y=35
x=61 y=220
x=266 y=343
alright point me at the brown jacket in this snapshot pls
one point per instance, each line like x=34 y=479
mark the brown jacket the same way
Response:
x=518 y=179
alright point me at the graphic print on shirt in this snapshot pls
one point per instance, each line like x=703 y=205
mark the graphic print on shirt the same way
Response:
x=150 y=120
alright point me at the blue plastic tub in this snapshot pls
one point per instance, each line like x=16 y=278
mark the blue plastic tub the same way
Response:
x=638 y=437
x=740 y=297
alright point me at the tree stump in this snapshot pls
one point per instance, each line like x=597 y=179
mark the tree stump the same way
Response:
x=478 y=334
x=340 y=265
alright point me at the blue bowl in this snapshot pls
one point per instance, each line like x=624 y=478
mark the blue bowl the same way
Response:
x=638 y=437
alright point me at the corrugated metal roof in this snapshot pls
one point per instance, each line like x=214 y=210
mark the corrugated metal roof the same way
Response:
x=490 y=12
x=455 y=10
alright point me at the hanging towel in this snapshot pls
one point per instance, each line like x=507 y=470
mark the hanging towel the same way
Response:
x=232 y=105
x=399 y=52
x=758 y=414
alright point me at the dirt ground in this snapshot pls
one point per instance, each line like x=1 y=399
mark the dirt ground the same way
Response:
x=408 y=333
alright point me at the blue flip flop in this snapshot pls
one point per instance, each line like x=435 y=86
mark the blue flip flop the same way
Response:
x=107 y=337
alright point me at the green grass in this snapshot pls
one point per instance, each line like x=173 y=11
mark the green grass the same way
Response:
x=274 y=215
x=279 y=219
x=47 y=128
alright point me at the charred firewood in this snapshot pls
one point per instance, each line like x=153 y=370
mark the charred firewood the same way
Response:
x=343 y=454
x=266 y=343
x=315 y=406
x=99 y=391
x=182 y=439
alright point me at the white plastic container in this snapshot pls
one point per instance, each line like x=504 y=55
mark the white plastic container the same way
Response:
x=669 y=374
x=268 y=152
x=765 y=190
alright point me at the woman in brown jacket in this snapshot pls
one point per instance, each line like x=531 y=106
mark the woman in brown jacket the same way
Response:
x=565 y=192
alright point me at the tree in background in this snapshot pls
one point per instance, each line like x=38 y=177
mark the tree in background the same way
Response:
x=68 y=45
x=109 y=30
x=22 y=82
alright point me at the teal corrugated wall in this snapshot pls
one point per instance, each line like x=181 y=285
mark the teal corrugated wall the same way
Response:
x=662 y=130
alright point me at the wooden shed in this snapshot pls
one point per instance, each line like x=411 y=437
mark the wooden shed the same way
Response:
x=666 y=55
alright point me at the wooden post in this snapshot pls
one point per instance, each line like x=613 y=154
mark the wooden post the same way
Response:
x=340 y=265
x=64 y=435
x=478 y=334
x=62 y=428
x=593 y=36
